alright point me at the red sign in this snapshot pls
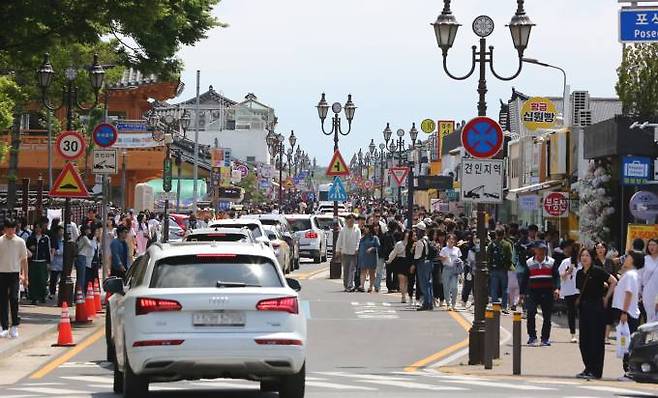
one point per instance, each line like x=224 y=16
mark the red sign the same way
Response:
x=482 y=137
x=337 y=166
x=70 y=145
x=399 y=174
x=69 y=184
x=556 y=204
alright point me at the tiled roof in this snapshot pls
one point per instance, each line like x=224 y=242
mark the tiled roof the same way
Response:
x=132 y=77
x=208 y=97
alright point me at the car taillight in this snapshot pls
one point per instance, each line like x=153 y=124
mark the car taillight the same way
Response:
x=311 y=235
x=283 y=304
x=279 y=342
x=152 y=343
x=146 y=305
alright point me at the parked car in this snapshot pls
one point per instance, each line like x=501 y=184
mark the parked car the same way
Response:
x=643 y=354
x=201 y=310
x=217 y=234
x=287 y=232
x=326 y=223
x=255 y=226
x=312 y=238
x=281 y=249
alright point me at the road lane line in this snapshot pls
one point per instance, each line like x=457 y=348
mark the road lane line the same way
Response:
x=337 y=386
x=222 y=384
x=48 y=391
x=91 y=379
x=54 y=364
x=499 y=385
x=412 y=385
x=446 y=351
x=308 y=275
x=614 y=390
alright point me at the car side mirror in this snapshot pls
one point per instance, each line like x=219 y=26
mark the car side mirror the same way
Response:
x=294 y=284
x=113 y=285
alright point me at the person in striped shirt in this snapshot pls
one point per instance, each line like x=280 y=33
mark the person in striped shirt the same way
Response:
x=543 y=281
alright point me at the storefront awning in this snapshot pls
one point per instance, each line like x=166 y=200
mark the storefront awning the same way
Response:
x=535 y=187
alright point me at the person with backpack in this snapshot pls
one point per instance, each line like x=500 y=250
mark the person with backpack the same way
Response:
x=499 y=254
x=450 y=256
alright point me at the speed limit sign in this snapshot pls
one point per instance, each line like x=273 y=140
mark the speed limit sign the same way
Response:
x=70 y=145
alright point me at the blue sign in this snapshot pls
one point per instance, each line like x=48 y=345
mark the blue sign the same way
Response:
x=638 y=25
x=264 y=184
x=482 y=137
x=636 y=170
x=132 y=126
x=310 y=196
x=337 y=191
x=222 y=205
x=105 y=135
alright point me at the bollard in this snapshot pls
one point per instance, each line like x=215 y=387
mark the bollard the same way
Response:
x=516 y=343
x=489 y=324
x=497 y=307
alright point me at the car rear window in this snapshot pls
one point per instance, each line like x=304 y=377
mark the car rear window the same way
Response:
x=300 y=224
x=268 y=222
x=206 y=271
x=324 y=223
x=217 y=237
x=252 y=227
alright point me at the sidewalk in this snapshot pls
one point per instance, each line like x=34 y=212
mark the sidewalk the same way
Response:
x=561 y=360
x=37 y=321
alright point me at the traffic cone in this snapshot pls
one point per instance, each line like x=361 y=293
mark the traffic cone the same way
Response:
x=80 y=308
x=65 y=335
x=89 y=301
x=97 y=297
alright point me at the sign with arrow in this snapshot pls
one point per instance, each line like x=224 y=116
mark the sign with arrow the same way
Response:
x=69 y=184
x=399 y=174
x=337 y=166
x=337 y=191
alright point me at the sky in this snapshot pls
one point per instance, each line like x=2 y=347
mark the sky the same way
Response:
x=384 y=53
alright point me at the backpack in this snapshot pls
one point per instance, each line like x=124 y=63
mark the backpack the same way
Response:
x=432 y=252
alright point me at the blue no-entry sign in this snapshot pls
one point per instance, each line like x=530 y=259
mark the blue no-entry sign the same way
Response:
x=105 y=135
x=337 y=191
x=482 y=137
x=638 y=25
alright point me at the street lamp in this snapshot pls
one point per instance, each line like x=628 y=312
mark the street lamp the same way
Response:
x=336 y=130
x=382 y=149
x=70 y=100
x=445 y=29
x=564 y=84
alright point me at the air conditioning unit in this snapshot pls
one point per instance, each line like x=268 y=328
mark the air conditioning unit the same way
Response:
x=579 y=102
x=585 y=118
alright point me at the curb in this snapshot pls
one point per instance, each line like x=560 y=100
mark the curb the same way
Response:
x=9 y=351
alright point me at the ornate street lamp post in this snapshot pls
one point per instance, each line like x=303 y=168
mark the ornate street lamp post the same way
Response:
x=445 y=30
x=70 y=100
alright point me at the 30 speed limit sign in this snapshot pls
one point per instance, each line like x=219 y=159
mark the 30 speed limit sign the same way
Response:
x=70 y=145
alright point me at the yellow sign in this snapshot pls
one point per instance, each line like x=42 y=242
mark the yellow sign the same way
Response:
x=446 y=127
x=225 y=176
x=428 y=126
x=69 y=184
x=337 y=166
x=288 y=184
x=538 y=113
x=642 y=231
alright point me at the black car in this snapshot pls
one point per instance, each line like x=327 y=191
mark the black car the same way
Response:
x=643 y=354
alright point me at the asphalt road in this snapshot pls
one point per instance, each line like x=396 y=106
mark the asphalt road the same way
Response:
x=364 y=345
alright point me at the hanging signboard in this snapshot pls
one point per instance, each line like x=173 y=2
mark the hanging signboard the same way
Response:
x=556 y=204
x=635 y=170
x=528 y=202
x=538 y=113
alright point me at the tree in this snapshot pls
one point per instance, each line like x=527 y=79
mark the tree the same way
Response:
x=637 y=85
x=252 y=192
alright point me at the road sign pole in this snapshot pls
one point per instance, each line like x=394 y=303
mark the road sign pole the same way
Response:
x=410 y=196
x=166 y=186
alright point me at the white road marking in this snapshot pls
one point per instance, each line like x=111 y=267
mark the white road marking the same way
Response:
x=48 y=391
x=164 y=388
x=337 y=386
x=615 y=390
x=80 y=365
x=19 y=396
x=411 y=384
x=90 y=379
x=499 y=385
x=222 y=384
x=309 y=378
x=41 y=384
x=372 y=310
x=362 y=376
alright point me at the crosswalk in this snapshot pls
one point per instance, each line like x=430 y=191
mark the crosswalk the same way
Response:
x=374 y=310
x=396 y=383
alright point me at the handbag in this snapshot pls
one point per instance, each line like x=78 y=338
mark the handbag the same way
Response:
x=583 y=289
x=457 y=266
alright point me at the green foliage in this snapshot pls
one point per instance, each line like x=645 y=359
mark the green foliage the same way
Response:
x=637 y=85
x=148 y=33
x=9 y=94
x=252 y=192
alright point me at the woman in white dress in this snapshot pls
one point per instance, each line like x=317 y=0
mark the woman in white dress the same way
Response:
x=649 y=280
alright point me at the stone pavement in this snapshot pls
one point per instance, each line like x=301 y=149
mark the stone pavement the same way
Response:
x=36 y=322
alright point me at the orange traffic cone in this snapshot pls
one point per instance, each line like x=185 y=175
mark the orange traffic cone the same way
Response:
x=89 y=301
x=65 y=336
x=80 y=308
x=97 y=297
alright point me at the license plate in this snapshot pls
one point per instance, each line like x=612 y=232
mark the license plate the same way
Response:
x=219 y=318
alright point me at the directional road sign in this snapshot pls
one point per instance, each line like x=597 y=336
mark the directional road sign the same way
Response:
x=482 y=137
x=399 y=174
x=69 y=184
x=337 y=166
x=638 y=25
x=105 y=161
x=105 y=135
x=337 y=191
x=482 y=180
x=70 y=145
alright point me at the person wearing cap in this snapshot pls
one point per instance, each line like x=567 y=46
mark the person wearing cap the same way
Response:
x=347 y=248
x=543 y=288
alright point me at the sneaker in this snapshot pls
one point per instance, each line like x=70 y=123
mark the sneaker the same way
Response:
x=4 y=334
x=624 y=378
x=532 y=341
x=505 y=311
x=13 y=332
x=361 y=290
x=574 y=339
x=404 y=299
x=583 y=375
x=545 y=343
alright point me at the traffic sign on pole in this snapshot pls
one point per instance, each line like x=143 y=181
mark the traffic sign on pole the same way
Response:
x=105 y=161
x=166 y=175
x=337 y=191
x=428 y=126
x=69 y=184
x=556 y=204
x=70 y=145
x=399 y=174
x=337 y=166
x=482 y=137
x=105 y=135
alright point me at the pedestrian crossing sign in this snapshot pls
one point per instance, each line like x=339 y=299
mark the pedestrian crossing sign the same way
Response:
x=337 y=166
x=69 y=184
x=337 y=191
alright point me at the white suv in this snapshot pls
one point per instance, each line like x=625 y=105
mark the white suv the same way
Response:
x=312 y=238
x=207 y=310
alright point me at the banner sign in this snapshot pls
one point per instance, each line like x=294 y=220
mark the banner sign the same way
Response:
x=538 y=113
x=635 y=170
x=642 y=231
x=136 y=141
